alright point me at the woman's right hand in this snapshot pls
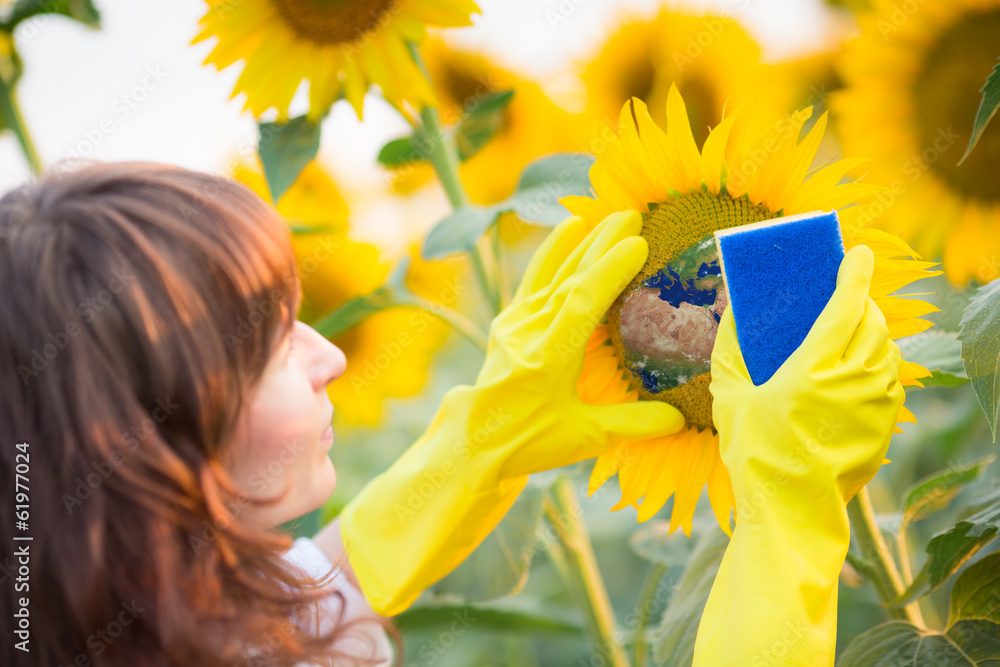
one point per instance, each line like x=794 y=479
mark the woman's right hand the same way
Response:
x=823 y=421
x=797 y=448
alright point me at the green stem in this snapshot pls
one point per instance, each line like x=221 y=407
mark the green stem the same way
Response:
x=876 y=562
x=648 y=592
x=10 y=111
x=483 y=276
x=563 y=512
x=903 y=549
x=460 y=322
x=443 y=156
x=503 y=275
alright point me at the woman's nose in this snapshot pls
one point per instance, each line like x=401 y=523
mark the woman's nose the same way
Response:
x=328 y=363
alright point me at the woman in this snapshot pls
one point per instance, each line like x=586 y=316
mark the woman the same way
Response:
x=167 y=413
x=172 y=413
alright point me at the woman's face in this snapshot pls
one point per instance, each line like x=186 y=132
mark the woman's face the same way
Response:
x=284 y=436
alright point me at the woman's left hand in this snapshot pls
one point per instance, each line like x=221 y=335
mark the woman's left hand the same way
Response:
x=536 y=349
x=419 y=519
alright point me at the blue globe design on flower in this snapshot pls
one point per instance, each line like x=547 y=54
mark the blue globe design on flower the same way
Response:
x=669 y=322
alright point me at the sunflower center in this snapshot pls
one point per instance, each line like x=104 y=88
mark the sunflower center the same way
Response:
x=947 y=96
x=334 y=21
x=663 y=325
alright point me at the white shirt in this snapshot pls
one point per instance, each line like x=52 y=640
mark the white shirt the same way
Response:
x=364 y=639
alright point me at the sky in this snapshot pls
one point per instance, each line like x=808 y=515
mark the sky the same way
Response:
x=136 y=88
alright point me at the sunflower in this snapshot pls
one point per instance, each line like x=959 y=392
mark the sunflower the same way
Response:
x=388 y=353
x=912 y=82
x=339 y=46
x=709 y=58
x=748 y=170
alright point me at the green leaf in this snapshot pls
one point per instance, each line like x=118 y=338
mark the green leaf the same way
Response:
x=977 y=504
x=401 y=151
x=391 y=293
x=940 y=352
x=83 y=11
x=306 y=230
x=499 y=566
x=980 y=640
x=899 y=644
x=980 y=337
x=987 y=109
x=353 y=311
x=976 y=594
x=545 y=181
x=673 y=642
x=285 y=149
x=934 y=492
x=541 y=185
x=459 y=231
x=480 y=123
x=396 y=279
x=509 y=616
x=950 y=550
x=653 y=543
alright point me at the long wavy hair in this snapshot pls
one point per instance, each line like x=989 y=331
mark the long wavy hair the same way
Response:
x=140 y=305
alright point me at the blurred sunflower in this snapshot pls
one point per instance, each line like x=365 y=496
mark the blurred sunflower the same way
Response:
x=912 y=84
x=532 y=125
x=388 y=353
x=709 y=58
x=339 y=47
x=810 y=79
x=749 y=169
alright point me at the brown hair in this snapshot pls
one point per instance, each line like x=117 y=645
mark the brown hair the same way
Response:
x=141 y=303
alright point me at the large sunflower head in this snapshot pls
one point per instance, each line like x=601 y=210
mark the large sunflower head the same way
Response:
x=709 y=58
x=389 y=353
x=912 y=82
x=659 y=334
x=340 y=47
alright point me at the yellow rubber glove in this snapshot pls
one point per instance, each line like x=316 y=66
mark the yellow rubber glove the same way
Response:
x=797 y=448
x=419 y=519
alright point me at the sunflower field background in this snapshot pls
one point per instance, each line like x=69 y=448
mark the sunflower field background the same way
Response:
x=421 y=149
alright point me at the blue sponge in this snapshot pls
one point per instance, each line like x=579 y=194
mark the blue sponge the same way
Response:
x=779 y=275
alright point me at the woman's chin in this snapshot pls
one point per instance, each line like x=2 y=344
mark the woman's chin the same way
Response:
x=324 y=483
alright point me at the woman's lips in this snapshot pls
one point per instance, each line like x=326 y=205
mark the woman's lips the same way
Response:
x=327 y=434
